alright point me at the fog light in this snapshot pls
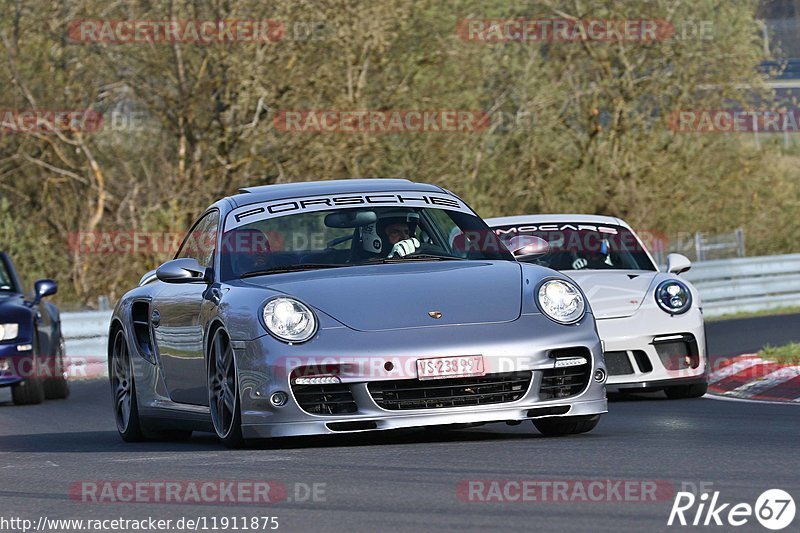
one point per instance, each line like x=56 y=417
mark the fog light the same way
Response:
x=279 y=399
x=4 y=366
x=24 y=347
x=571 y=361
x=317 y=380
x=599 y=375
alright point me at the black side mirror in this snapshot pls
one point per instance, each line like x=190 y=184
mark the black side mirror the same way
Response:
x=42 y=288
x=183 y=270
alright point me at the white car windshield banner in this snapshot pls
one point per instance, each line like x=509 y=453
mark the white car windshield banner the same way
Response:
x=307 y=204
x=506 y=229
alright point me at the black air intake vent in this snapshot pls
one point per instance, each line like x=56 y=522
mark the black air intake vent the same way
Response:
x=327 y=399
x=452 y=392
x=564 y=382
x=140 y=314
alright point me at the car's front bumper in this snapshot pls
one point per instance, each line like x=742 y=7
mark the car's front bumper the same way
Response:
x=430 y=417
x=266 y=366
x=652 y=350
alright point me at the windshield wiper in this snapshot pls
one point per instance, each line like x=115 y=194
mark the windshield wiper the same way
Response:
x=288 y=268
x=415 y=257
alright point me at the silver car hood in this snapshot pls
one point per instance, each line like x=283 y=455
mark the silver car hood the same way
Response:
x=400 y=296
x=614 y=293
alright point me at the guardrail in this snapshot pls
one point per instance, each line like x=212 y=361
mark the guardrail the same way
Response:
x=747 y=283
x=85 y=333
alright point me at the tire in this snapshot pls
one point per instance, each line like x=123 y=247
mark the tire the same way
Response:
x=123 y=391
x=679 y=392
x=57 y=386
x=126 y=406
x=568 y=425
x=223 y=392
x=29 y=391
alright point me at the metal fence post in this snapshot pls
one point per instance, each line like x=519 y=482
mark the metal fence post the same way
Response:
x=740 y=242
x=698 y=247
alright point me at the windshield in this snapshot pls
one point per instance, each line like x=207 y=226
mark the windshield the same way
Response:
x=576 y=246
x=343 y=237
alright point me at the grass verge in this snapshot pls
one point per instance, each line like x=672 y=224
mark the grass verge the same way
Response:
x=786 y=354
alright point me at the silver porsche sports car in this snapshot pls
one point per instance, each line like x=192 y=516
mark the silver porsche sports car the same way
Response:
x=651 y=322
x=345 y=306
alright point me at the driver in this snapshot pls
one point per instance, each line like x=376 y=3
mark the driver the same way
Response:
x=246 y=250
x=594 y=258
x=395 y=231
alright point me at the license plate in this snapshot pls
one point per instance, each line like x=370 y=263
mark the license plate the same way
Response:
x=450 y=367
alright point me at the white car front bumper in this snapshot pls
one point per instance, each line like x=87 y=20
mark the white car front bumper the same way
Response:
x=652 y=349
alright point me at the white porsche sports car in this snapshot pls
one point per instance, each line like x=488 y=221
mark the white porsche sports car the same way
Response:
x=651 y=322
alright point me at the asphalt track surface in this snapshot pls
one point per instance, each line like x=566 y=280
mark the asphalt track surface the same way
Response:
x=748 y=335
x=408 y=481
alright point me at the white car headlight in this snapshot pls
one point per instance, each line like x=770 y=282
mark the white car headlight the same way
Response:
x=289 y=320
x=561 y=301
x=673 y=297
x=8 y=331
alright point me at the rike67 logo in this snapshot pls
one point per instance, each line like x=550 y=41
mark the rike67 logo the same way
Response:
x=774 y=509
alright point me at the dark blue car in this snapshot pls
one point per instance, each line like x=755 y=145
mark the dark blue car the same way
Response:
x=31 y=345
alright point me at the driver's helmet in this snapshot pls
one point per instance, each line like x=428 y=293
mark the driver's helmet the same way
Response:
x=600 y=254
x=373 y=236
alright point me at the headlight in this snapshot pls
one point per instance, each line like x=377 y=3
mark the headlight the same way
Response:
x=561 y=301
x=8 y=331
x=289 y=320
x=673 y=297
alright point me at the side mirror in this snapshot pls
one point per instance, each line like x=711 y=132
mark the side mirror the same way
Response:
x=183 y=270
x=527 y=247
x=677 y=263
x=42 y=288
x=147 y=278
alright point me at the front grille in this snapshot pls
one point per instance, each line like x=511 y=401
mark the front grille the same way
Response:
x=617 y=363
x=564 y=382
x=328 y=399
x=451 y=392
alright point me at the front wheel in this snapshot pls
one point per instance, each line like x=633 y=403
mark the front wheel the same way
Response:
x=567 y=425
x=56 y=386
x=223 y=392
x=679 y=392
x=30 y=391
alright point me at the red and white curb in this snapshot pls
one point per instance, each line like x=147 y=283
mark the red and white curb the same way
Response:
x=753 y=378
